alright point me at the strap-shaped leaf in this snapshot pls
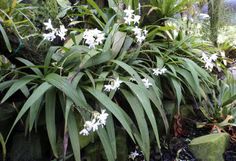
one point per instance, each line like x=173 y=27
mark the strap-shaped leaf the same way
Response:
x=96 y=59
x=5 y=37
x=50 y=106
x=38 y=92
x=110 y=127
x=16 y=86
x=103 y=135
x=137 y=108
x=145 y=101
x=32 y=66
x=118 y=41
x=67 y=88
x=34 y=113
x=4 y=149
x=6 y=84
x=74 y=136
x=95 y=6
x=48 y=58
x=176 y=85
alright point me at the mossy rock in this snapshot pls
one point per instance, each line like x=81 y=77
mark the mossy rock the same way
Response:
x=210 y=147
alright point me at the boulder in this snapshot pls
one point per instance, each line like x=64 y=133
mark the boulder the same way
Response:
x=210 y=147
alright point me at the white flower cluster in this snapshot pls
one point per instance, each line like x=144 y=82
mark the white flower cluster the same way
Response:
x=93 y=37
x=209 y=61
x=61 y=32
x=140 y=34
x=93 y=125
x=131 y=17
x=114 y=85
x=159 y=71
x=145 y=81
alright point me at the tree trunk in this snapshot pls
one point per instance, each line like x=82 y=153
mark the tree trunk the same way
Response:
x=214 y=11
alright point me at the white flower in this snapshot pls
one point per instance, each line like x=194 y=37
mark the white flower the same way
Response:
x=100 y=38
x=209 y=61
x=102 y=117
x=159 y=71
x=93 y=37
x=89 y=124
x=62 y=32
x=136 y=18
x=214 y=57
x=204 y=56
x=137 y=30
x=163 y=70
x=95 y=126
x=99 y=119
x=140 y=38
x=115 y=84
x=49 y=36
x=209 y=65
x=48 y=25
x=145 y=32
x=133 y=155
x=108 y=87
x=84 y=132
x=130 y=17
x=129 y=12
x=146 y=82
x=128 y=20
x=139 y=34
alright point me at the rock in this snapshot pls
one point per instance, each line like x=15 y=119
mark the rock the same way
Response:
x=210 y=147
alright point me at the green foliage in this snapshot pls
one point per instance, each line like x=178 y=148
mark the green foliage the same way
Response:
x=3 y=147
x=168 y=8
x=16 y=16
x=68 y=88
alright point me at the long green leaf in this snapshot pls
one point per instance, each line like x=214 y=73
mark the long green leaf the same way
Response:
x=4 y=149
x=110 y=127
x=137 y=108
x=16 y=86
x=64 y=85
x=50 y=108
x=6 y=84
x=118 y=41
x=106 y=142
x=144 y=100
x=31 y=65
x=5 y=37
x=68 y=106
x=94 y=5
x=38 y=92
x=34 y=113
x=74 y=136
x=48 y=58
